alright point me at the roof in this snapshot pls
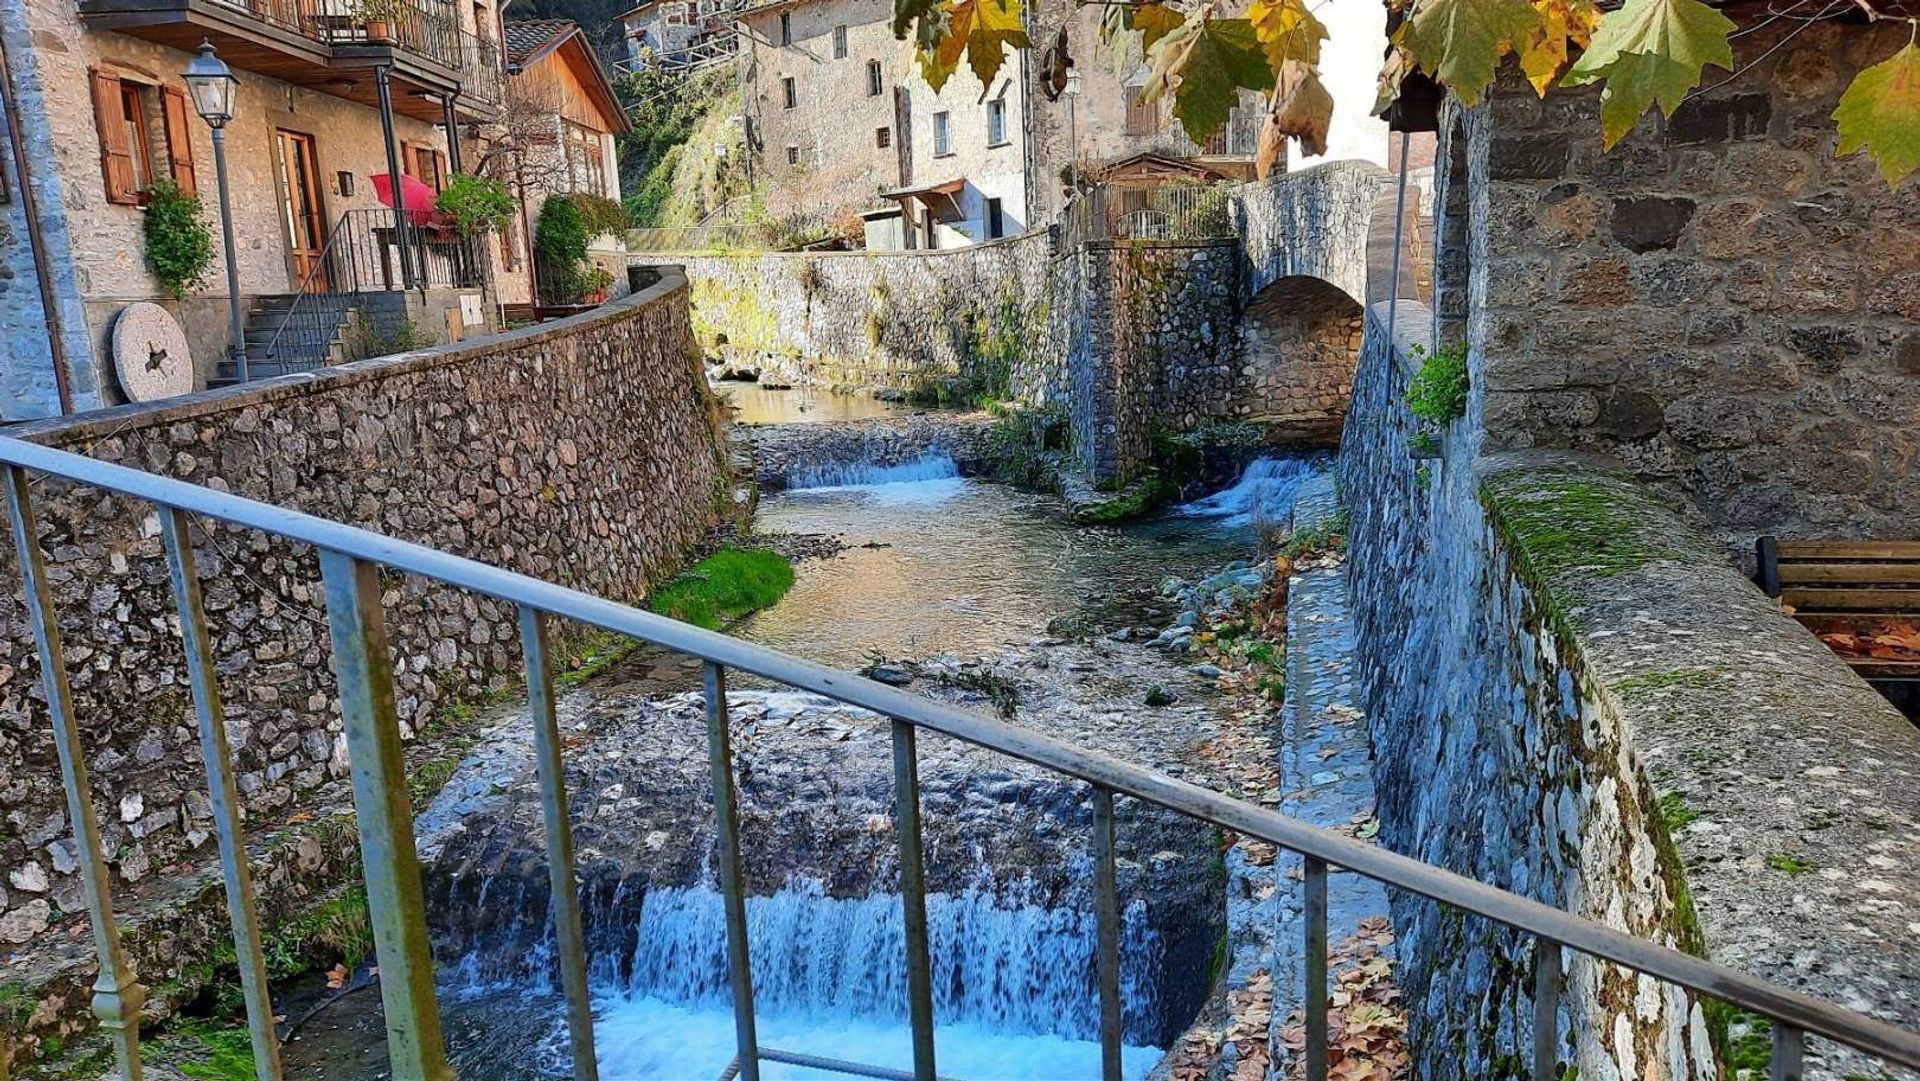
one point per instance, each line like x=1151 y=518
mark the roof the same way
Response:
x=533 y=40
x=530 y=39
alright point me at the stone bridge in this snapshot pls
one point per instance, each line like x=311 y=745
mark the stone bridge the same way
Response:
x=1127 y=337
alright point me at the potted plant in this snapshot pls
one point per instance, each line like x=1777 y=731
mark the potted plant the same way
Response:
x=475 y=205
x=378 y=17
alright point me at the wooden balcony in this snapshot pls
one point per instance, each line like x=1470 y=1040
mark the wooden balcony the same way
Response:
x=321 y=45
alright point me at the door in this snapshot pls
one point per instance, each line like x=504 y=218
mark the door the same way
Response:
x=305 y=218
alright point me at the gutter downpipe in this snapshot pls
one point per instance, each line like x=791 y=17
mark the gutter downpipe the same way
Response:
x=49 y=308
x=1399 y=217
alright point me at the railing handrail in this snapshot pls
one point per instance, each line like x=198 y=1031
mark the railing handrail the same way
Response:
x=1802 y=1012
x=320 y=266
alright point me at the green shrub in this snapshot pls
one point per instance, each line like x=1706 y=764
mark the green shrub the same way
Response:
x=367 y=338
x=560 y=237
x=477 y=204
x=179 y=243
x=1437 y=394
x=724 y=586
x=602 y=215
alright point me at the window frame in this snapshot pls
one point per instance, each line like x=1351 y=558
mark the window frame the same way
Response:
x=139 y=134
x=840 y=42
x=997 y=119
x=883 y=137
x=943 y=134
x=876 y=84
x=996 y=222
x=789 y=92
x=786 y=28
x=1141 y=117
x=793 y=154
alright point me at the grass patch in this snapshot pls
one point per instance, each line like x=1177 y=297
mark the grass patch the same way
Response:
x=202 y=1050
x=724 y=586
x=1793 y=865
x=338 y=930
x=1327 y=536
x=1675 y=814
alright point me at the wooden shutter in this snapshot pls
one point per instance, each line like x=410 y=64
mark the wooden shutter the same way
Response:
x=179 y=137
x=116 y=157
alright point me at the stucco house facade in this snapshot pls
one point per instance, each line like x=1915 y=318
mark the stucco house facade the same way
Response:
x=97 y=113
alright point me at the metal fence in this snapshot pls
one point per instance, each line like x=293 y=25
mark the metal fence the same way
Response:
x=368 y=251
x=426 y=28
x=351 y=564
x=1167 y=212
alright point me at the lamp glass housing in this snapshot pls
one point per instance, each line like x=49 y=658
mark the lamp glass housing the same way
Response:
x=212 y=86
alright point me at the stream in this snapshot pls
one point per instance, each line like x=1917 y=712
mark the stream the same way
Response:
x=934 y=563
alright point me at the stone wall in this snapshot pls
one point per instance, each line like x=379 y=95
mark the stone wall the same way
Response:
x=583 y=452
x=1560 y=670
x=1719 y=301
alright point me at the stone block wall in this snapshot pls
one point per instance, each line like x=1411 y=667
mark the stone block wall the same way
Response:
x=583 y=452
x=1572 y=696
x=1719 y=301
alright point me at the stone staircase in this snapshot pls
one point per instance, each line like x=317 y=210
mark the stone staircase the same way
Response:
x=312 y=335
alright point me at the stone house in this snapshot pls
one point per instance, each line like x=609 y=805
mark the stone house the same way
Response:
x=563 y=119
x=97 y=112
x=680 y=34
x=1719 y=302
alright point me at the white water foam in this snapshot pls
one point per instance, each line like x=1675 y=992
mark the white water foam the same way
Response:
x=1013 y=987
x=931 y=478
x=1264 y=492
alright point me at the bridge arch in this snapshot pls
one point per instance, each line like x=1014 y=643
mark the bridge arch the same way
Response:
x=1299 y=345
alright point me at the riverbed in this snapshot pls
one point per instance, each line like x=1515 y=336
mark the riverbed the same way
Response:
x=933 y=564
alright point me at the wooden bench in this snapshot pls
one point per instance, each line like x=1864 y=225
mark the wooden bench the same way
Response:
x=1850 y=586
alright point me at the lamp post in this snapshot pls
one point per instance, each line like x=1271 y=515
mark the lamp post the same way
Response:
x=212 y=87
x=1073 y=126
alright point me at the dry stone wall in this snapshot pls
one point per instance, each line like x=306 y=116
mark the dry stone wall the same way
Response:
x=1560 y=669
x=583 y=452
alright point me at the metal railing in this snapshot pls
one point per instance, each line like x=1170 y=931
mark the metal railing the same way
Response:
x=365 y=254
x=427 y=28
x=1167 y=212
x=482 y=78
x=351 y=561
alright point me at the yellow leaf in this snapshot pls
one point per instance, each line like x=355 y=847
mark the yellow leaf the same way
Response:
x=1460 y=42
x=1881 y=112
x=980 y=30
x=1287 y=31
x=1562 y=23
x=1154 y=21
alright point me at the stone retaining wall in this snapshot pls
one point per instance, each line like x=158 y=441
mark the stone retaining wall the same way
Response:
x=583 y=451
x=1562 y=671
x=780 y=451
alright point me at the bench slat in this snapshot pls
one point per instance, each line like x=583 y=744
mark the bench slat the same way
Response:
x=1816 y=550
x=1851 y=573
x=1818 y=600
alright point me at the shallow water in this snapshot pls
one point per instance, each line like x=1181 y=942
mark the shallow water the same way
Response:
x=755 y=404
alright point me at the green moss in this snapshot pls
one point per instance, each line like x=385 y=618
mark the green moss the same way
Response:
x=337 y=931
x=724 y=586
x=1793 y=865
x=203 y=1051
x=1675 y=814
x=1324 y=537
x=1562 y=524
x=1028 y=448
x=1688 y=678
x=1143 y=495
x=600 y=652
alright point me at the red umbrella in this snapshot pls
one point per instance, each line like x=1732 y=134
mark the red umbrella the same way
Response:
x=416 y=198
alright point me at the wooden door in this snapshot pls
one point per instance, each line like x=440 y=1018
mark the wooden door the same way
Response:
x=305 y=216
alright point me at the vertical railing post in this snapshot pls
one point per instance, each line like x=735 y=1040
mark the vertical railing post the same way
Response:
x=222 y=792
x=117 y=996
x=553 y=804
x=913 y=896
x=363 y=665
x=733 y=887
x=1546 y=1010
x=1313 y=995
x=1107 y=918
x=1789 y=1052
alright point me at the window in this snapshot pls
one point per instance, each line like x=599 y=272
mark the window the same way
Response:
x=1143 y=117
x=793 y=155
x=788 y=93
x=586 y=162
x=942 y=135
x=996 y=122
x=425 y=164
x=996 y=220
x=873 y=78
x=839 y=43
x=786 y=28
x=883 y=137
x=124 y=116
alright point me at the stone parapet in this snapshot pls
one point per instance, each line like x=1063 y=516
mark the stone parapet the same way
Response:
x=583 y=451
x=1561 y=669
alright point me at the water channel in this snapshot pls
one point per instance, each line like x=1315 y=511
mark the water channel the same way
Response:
x=934 y=563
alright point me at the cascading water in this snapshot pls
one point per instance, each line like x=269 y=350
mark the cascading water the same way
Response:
x=1014 y=990
x=930 y=478
x=1264 y=492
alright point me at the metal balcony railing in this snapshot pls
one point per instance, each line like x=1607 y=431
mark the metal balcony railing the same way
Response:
x=425 y=28
x=1167 y=212
x=481 y=77
x=351 y=562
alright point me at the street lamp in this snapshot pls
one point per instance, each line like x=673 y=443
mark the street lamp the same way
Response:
x=212 y=87
x=1073 y=127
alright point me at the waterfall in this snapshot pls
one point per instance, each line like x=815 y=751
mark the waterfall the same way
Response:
x=1264 y=492
x=1015 y=996
x=927 y=467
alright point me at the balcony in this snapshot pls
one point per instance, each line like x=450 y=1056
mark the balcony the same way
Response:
x=326 y=45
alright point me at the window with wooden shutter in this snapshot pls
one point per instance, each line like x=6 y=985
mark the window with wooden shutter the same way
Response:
x=116 y=153
x=173 y=110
